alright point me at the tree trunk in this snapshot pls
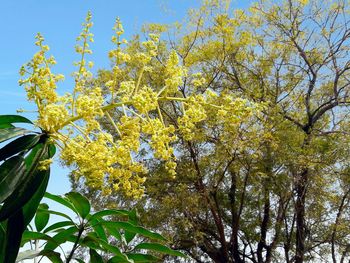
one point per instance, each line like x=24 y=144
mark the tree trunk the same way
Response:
x=300 y=216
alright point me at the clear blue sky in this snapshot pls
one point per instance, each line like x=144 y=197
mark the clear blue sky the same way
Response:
x=60 y=23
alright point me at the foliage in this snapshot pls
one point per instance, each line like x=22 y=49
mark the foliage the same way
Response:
x=106 y=240
x=24 y=175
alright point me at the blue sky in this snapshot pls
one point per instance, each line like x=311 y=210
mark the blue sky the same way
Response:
x=60 y=23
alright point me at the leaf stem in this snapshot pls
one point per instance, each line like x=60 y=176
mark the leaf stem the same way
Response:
x=76 y=243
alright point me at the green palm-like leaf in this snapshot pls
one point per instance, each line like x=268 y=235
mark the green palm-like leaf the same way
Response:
x=11 y=173
x=80 y=203
x=23 y=143
x=95 y=257
x=12 y=132
x=9 y=119
x=41 y=218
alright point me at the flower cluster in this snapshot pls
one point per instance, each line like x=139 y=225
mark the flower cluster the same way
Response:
x=193 y=113
x=132 y=107
x=174 y=74
x=41 y=86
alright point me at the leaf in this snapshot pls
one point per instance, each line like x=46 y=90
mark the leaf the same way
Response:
x=58 y=225
x=34 y=155
x=2 y=238
x=6 y=125
x=119 y=259
x=24 y=193
x=19 y=145
x=11 y=173
x=57 y=213
x=52 y=150
x=134 y=229
x=52 y=255
x=62 y=201
x=32 y=180
x=160 y=248
x=95 y=257
x=90 y=242
x=61 y=237
x=144 y=258
x=109 y=212
x=41 y=218
x=31 y=235
x=79 y=260
x=15 y=228
x=95 y=224
x=27 y=254
x=30 y=208
x=113 y=249
x=12 y=132
x=80 y=202
x=114 y=232
x=5 y=119
x=129 y=236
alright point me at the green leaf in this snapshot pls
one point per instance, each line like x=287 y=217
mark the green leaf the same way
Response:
x=52 y=150
x=12 y=132
x=3 y=226
x=119 y=259
x=19 y=145
x=31 y=235
x=6 y=125
x=90 y=242
x=41 y=218
x=62 y=201
x=57 y=213
x=5 y=119
x=134 y=229
x=109 y=212
x=33 y=180
x=11 y=173
x=30 y=208
x=34 y=155
x=58 y=225
x=144 y=258
x=95 y=257
x=80 y=202
x=129 y=236
x=114 y=232
x=113 y=249
x=160 y=248
x=52 y=255
x=79 y=260
x=95 y=224
x=61 y=237
x=15 y=228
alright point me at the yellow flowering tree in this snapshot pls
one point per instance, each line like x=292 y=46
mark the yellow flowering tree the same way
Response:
x=109 y=162
x=261 y=117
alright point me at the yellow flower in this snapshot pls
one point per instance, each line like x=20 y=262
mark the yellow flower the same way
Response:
x=174 y=74
x=145 y=100
x=44 y=165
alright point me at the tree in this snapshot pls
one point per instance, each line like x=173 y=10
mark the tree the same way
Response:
x=262 y=155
